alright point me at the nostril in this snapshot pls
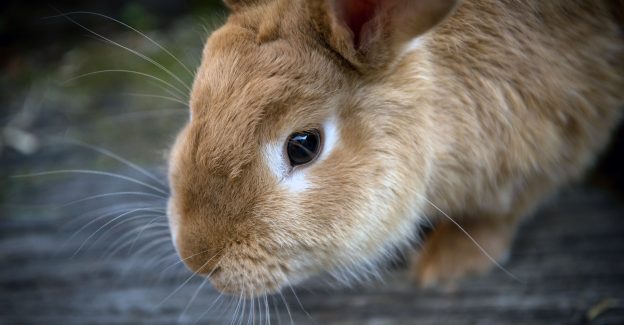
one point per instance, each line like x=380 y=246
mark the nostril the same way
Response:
x=205 y=262
x=215 y=271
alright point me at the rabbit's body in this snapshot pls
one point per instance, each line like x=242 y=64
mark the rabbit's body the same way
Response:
x=525 y=94
x=522 y=94
x=473 y=121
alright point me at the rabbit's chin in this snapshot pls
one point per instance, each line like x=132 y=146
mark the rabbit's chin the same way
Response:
x=241 y=275
x=251 y=269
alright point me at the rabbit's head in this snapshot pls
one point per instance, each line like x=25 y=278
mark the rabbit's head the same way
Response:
x=301 y=154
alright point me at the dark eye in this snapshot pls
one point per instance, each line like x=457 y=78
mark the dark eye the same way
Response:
x=303 y=147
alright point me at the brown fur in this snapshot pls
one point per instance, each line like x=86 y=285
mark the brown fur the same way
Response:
x=503 y=102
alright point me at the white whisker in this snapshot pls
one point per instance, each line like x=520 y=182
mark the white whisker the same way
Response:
x=155 y=239
x=474 y=241
x=138 y=73
x=276 y=310
x=188 y=305
x=252 y=310
x=190 y=277
x=138 y=32
x=182 y=260
x=115 y=156
x=287 y=308
x=125 y=221
x=92 y=172
x=114 y=249
x=137 y=53
x=154 y=244
x=141 y=115
x=211 y=306
x=173 y=99
x=236 y=309
x=107 y=195
x=108 y=223
x=299 y=301
x=108 y=212
x=267 y=311
x=163 y=242
x=169 y=91
x=149 y=225
x=243 y=310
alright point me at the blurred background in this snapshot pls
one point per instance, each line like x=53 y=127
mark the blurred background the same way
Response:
x=91 y=95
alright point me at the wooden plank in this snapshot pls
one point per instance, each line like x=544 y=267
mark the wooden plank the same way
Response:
x=570 y=257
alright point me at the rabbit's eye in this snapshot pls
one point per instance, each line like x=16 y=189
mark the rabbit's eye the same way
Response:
x=303 y=147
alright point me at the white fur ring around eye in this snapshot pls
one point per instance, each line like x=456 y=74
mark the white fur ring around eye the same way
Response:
x=295 y=179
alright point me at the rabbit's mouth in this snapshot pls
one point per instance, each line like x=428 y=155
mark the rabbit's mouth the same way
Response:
x=247 y=268
x=238 y=264
x=249 y=271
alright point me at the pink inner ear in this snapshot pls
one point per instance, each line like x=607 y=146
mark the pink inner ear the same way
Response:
x=355 y=14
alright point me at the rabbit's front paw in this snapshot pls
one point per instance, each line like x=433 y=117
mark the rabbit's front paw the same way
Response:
x=450 y=253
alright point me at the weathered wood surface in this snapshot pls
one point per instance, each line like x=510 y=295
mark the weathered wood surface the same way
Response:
x=569 y=257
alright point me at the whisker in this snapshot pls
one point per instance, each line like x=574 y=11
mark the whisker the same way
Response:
x=251 y=310
x=125 y=221
x=190 y=277
x=137 y=53
x=182 y=260
x=277 y=313
x=138 y=32
x=188 y=305
x=236 y=309
x=153 y=244
x=169 y=92
x=173 y=99
x=299 y=301
x=243 y=310
x=474 y=241
x=227 y=303
x=138 y=73
x=164 y=254
x=113 y=249
x=92 y=172
x=287 y=308
x=149 y=225
x=115 y=156
x=211 y=306
x=141 y=115
x=112 y=194
x=156 y=237
x=162 y=241
x=260 y=310
x=108 y=223
x=107 y=212
x=267 y=312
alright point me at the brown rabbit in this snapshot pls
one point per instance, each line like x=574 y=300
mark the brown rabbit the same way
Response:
x=323 y=132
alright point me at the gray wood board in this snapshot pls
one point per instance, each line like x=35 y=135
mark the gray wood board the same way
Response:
x=569 y=256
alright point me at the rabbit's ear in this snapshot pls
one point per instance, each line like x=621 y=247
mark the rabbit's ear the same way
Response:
x=235 y=5
x=373 y=31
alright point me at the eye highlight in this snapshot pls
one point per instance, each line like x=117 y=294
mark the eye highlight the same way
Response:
x=303 y=147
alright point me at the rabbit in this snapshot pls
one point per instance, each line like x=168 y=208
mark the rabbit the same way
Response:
x=322 y=133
